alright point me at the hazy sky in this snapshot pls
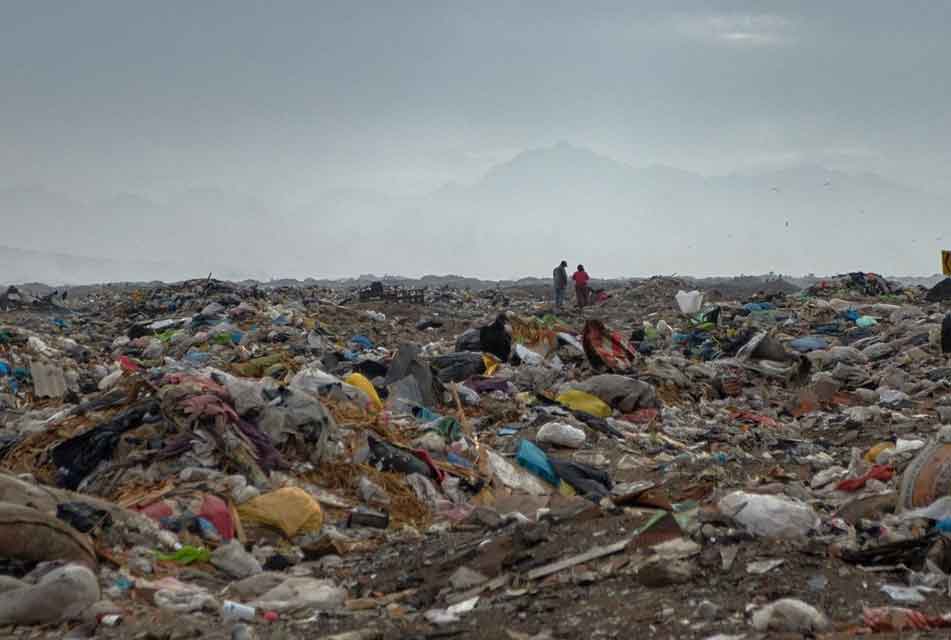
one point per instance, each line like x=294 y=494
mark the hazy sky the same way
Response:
x=286 y=100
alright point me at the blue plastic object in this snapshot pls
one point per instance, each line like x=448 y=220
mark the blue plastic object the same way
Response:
x=425 y=414
x=851 y=314
x=459 y=461
x=4 y=369
x=758 y=306
x=198 y=357
x=808 y=343
x=534 y=459
x=207 y=529
x=944 y=525
x=362 y=341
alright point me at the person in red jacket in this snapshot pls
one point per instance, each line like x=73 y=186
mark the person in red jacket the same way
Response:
x=581 y=286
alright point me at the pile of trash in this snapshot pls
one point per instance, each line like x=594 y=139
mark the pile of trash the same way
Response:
x=858 y=283
x=214 y=459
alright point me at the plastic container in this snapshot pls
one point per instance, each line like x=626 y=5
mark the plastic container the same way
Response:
x=236 y=611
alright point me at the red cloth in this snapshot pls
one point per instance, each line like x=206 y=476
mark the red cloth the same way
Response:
x=880 y=472
x=606 y=348
x=581 y=278
x=157 y=510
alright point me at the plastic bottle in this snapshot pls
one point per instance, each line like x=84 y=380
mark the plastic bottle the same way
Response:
x=236 y=611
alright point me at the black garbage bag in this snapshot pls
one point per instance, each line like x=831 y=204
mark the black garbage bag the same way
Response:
x=389 y=458
x=592 y=483
x=370 y=368
x=456 y=367
x=470 y=340
x=496 y=340
x=83 y=517
x=408 y=363
x=946 y=334
x=77 y=457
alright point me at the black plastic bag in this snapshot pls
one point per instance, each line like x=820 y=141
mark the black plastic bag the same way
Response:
x=592 y=483
x=83 y=517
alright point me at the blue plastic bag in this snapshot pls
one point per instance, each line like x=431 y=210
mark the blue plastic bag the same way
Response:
x=534 y=459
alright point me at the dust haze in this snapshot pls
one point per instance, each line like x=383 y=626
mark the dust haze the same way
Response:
x=335 y=139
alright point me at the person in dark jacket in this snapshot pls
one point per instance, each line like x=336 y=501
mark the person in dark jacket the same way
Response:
x=560 y=276
x=496 y=339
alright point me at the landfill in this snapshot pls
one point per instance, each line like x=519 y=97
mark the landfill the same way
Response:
x=210 y=459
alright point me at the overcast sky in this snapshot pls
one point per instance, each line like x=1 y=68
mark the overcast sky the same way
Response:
x=285 y=100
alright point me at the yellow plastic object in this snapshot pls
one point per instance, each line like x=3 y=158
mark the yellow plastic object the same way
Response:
x=360 y=381
x=580 y=401
x=877 y=450
x=566 y=489
x=491 y=363
x=291 y=509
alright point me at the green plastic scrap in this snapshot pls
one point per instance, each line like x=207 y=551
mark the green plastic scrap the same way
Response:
x=186 y=555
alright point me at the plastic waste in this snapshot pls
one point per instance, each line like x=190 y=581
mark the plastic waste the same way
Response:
x=300 y=593
x=790 y=615
x=233 y=560
x=690 y=302
x=770 y=516
x=912 y=595
x=62 y=594
x=808 y=343
x=561 y=434
x=186 y=555
x=534 y=459
x=577 y=400
x=290 y=509
x=514 y=477
x=237 y=611
x=360 y=381
x=527 y=356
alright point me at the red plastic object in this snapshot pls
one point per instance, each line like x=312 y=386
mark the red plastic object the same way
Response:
x=878 y=472
x=216 y=511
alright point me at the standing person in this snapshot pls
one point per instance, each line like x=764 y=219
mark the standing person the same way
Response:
x=581 y=286
x=560 y=275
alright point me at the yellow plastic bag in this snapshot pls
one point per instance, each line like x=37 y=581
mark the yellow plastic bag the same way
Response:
x=360 y=381
x=580 y=401
x=291 y=509
x=491 y=363
x=873 y=453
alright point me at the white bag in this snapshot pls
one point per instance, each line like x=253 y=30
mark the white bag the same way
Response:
x=689 y=303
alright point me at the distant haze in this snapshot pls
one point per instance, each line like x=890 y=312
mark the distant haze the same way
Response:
x=492 y=139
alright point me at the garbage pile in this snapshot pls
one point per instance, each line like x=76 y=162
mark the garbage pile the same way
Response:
x=857 y=284
x=222 y=460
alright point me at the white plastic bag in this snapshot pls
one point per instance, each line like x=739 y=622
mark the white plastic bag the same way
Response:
x=689 y=302
x=561 y=434
x=770 y=516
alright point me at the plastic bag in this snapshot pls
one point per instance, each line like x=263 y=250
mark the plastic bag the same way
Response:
x=515 y=478
x=585 y=402
x=360 y=381
x=770 y=516
x=534 y=459
x=561 y=434
x=291 y=509
x=689 y=302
